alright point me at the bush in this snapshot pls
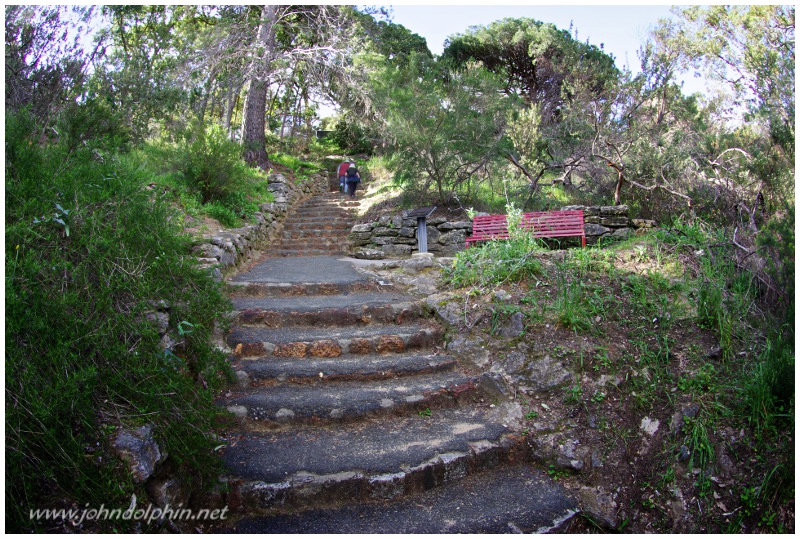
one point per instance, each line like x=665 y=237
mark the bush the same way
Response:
x=496 y=262
x=93 y=260
x=212 y=165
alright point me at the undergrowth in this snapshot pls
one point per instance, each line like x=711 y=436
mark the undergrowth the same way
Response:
x=691 y=284
x=94 y=263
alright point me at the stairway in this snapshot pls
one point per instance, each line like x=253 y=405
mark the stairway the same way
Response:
x=353 y=419
x=318 y=226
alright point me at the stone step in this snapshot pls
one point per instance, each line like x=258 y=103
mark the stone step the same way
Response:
x=310 y=269
x=319 y=223
x=320 y=212
x=308 y=232
x=331 y=310
x=294 y=253
x=269 y=371
x=244 y=289
x=299 y=342
x=382 y=458
x=513 y=499
x=319 y=242
x=316 y=228
x=348 y=400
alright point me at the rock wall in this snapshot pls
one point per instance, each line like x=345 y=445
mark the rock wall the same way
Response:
x=397 y=235
x=225 y=249
x=609 y=222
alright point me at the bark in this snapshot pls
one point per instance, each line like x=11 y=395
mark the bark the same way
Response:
x=254 y=121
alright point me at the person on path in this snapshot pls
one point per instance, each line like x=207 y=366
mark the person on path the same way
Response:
x=342 y=173
x=353 y=179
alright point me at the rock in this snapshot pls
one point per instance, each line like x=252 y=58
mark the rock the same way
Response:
x=502 y=295
x=469 y=349
x=161 y=320
x=545 y=373
x=454 y=237
x=614 y=221
x=684 y=454
x=614 y=210
x=458 y=225
x=678 y=418
x=243 y=378
x=325 y=348
x=622 y=233
x=284 y=415
x=168 y=491
x=595 y=230
x=515 y=326
x=394 y=250
x=492 y=385
x=643 y=223
x=369 y=254
x=599 y=505
x=383 y=231
x=139 y=450
x=367 y=227
x=649 y=426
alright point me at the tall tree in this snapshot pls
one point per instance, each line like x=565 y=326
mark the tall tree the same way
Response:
x=254 y=125
x=537 y=60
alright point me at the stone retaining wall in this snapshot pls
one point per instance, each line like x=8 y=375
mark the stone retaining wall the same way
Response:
x=397 y=235
x=225 y=249
x=609 y=222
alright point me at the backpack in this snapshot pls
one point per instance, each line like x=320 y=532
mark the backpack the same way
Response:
x=351 y=170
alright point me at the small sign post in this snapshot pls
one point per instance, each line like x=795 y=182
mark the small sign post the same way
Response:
x=422 y=229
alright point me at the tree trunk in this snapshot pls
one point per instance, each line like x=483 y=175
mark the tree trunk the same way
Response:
x=254 y=121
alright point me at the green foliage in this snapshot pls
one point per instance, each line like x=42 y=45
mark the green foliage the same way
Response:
x=85 y=290
x=444 y=126
x=351 y=138
x=770 y=386
x=497 y=261
x=191 y=168
x=212 y=165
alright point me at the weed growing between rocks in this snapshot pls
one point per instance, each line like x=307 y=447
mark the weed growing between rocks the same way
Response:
x=108 y=325
x=655 y=371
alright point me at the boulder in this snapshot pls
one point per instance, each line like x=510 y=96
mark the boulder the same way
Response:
x=139 y=450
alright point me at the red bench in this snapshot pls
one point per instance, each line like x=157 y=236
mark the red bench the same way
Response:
x=541 y=224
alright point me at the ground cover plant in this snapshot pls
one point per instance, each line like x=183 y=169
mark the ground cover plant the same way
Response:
x=108 y=326
x=673 y=388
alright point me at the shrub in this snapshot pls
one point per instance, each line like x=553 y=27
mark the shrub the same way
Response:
x=211 y=164
x=92 y=259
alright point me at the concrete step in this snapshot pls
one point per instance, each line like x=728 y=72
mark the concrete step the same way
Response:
x=349 y=400
x=513 y=499
x=332 y=310
x=332 y=342
x=380 y=458
x=270 y=371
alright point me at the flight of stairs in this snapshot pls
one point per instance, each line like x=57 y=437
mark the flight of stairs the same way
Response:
x=318 y=226
x=352 y=418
